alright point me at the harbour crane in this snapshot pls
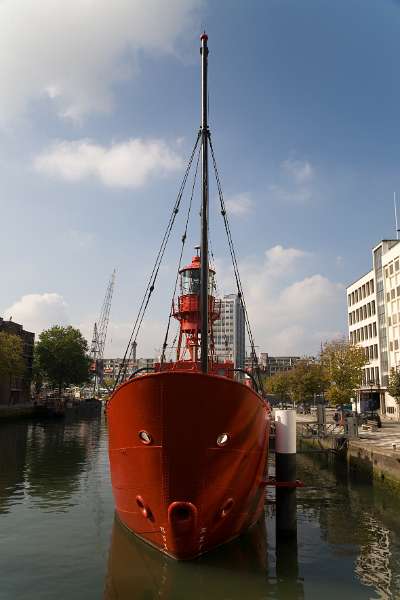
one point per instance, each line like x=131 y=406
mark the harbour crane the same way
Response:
x=99 y=337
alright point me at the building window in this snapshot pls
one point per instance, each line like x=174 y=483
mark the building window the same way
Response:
x=373 y=307
x=389 y=321
x=396 y=344
x=390 y=410
x=376 y=374
x=375 y=350
x=391 y=346
x=372 y=286
x=388 y=297
x=391 y=268
x=374 y=328
x=394 y=319
x=392 y=293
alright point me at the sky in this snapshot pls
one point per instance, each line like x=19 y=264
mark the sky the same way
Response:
x=99 y=111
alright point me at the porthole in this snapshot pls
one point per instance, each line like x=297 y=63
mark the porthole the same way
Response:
x=226 y=507
x=144 y=509
x=145 y=437
x=223 y=439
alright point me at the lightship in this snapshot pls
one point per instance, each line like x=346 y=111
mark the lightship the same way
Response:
x=188 y=442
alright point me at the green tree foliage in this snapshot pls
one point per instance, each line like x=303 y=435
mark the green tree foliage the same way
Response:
x=280 y=385
x=37 y=373
x=300 y=384
x=62 y=356
x=343 y=363
x=308 y=379
x=394 y=385
x=11 y=356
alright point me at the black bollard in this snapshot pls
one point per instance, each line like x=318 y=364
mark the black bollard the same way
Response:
x=285 y=472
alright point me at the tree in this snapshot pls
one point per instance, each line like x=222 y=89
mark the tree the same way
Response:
x=394 y=385
x=307 y=379
x=62 y=356
x=344 y=364
x=279 y=384
x=37 y=373
x=11 y=356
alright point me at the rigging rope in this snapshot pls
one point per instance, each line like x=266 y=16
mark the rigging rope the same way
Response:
x=184 y=236
x=235 y=265
x=153 y=276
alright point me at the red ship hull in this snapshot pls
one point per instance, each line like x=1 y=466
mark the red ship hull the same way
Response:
x=174 y=484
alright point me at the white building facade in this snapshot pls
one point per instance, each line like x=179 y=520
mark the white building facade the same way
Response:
x=373 y=303
x=229 y=331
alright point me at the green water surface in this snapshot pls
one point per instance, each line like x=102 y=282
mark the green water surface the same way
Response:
x=59 y=539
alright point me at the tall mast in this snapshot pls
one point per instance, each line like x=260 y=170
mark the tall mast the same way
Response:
x=204 y=208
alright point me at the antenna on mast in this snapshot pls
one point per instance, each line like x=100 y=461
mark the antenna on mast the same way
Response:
x=395 y=215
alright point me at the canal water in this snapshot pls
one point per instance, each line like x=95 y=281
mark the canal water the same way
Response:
x=59 y=539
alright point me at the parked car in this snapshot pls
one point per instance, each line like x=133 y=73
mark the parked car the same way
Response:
x=371 y=416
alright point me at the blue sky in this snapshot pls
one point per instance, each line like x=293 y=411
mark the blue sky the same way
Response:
x=99 y=109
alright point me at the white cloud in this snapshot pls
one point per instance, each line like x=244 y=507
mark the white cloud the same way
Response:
x=296 y=185
x=39 y=311
x=127 y=164
x=301 y=171
x=291 y=309
x=239 y=204
x=73 y=52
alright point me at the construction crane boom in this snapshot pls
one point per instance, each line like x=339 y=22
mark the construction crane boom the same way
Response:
x=100 y=335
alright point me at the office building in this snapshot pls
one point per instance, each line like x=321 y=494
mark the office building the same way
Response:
x=373 y=303
x=229 y=331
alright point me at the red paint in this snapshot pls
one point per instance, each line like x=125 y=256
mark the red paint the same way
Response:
x=185 y=412
x=177 y=484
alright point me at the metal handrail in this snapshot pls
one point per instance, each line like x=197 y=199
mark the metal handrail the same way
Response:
x=253 y=379
x=139 y=371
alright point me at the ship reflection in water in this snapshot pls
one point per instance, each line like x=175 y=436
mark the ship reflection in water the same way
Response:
x=136 y=570
x=56 y=523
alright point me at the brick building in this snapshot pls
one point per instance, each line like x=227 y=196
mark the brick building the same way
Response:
x=16 y=390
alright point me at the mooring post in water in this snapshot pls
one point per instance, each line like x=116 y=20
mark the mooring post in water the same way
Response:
x=285 y=471
x=321 y=419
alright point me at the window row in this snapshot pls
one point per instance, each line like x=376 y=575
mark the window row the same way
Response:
x=393 y=266
x=393 y=320
x=362 y=313
x=392 y=294
x=394 y=345
x=362 y=292
x=363 y=333
x=370 y=376
x=371 y=352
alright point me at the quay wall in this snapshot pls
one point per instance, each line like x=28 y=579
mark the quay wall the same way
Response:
x=366 y=462
x=16 y=412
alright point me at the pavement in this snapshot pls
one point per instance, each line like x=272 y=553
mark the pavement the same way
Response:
x=384 y=438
